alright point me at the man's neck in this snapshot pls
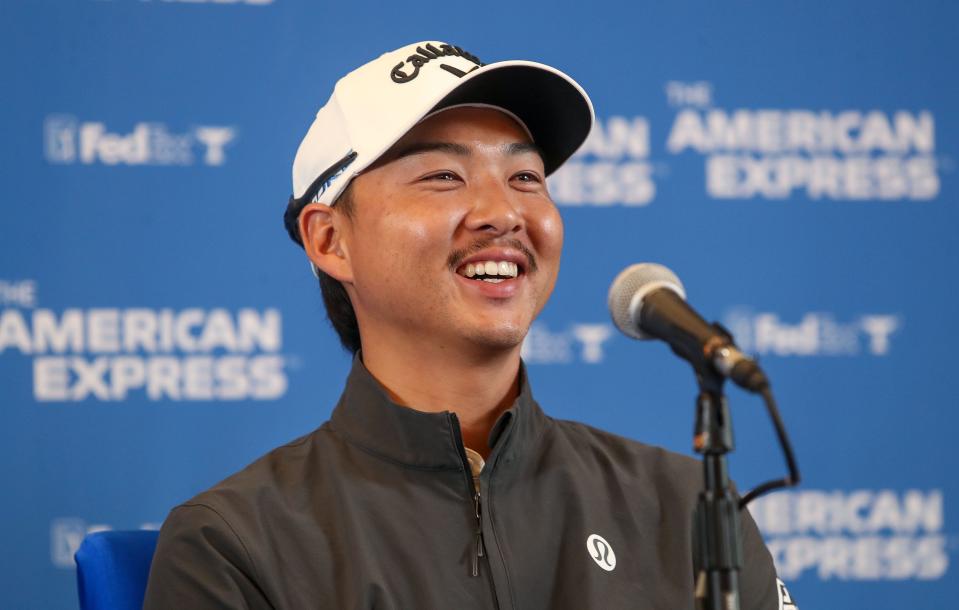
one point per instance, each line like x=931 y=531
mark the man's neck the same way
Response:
x=477 y=387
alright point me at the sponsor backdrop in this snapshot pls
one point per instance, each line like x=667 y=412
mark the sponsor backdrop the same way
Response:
x=794 y=163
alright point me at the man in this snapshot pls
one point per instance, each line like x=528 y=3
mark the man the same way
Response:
x=420 y=199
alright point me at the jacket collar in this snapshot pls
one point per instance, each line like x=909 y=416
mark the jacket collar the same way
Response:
x=367 y=417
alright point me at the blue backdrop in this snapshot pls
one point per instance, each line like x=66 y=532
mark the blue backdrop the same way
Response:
x=793 y=162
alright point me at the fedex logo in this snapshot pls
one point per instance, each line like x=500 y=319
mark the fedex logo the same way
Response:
x=814 y=334
x=68 y=140
x=581 y=342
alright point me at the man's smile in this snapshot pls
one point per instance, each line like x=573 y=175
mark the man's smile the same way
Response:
x=490 y=271
x=496 y=271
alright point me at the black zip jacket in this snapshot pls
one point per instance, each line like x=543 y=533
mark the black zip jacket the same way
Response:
x=377 y=509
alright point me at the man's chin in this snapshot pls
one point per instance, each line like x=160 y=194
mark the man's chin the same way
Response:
x=501 y=337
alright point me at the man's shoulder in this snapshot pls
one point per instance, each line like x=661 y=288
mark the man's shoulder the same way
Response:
x=225 y=534
x=629 y=458
x=588 y=437
x=271 y=481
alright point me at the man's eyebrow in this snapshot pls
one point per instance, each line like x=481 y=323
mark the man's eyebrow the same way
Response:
x=520 y=148
x=418 y=148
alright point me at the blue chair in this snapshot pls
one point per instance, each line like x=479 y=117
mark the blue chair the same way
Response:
x=112 y=569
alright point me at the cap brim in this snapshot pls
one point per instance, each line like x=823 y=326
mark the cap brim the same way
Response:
x=555 y=109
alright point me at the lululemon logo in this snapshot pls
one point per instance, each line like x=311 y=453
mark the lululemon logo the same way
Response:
x=601 y=552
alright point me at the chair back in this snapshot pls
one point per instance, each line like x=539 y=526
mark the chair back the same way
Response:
x=113 y=567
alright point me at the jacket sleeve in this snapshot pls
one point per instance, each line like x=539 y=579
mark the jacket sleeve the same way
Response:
x=758 y=584
x=201 y=563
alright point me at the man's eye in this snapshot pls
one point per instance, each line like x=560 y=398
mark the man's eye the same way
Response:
x=527 y=177
x=443 y=176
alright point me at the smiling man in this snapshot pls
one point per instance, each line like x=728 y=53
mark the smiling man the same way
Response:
x=420 y=199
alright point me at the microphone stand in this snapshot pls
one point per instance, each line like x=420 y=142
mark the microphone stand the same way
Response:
x=718 y=554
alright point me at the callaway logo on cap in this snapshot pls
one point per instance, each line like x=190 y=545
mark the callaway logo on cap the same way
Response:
x=373 y=106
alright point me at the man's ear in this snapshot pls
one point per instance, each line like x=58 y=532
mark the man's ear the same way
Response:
x=322 y=230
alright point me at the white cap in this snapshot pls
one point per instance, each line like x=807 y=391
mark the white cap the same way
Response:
x=373 y=106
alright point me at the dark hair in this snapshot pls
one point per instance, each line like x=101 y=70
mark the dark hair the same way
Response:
x=339 y=308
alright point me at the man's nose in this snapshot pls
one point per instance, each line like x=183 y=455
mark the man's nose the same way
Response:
x=495 y=209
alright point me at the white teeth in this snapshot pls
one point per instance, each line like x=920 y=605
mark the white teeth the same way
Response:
x=491 y=269
x=493 y=280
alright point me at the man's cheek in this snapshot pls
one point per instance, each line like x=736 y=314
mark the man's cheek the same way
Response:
x=411 y=234
x=550 y=227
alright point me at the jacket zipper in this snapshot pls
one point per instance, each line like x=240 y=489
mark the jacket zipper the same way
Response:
x=479 y=533
x=478 y=551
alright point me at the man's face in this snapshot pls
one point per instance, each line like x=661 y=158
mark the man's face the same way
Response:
x=464 y=192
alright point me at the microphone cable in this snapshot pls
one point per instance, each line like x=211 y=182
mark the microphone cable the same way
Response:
x=793 y=478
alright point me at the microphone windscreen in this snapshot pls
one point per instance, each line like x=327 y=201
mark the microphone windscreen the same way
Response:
x=630 y=287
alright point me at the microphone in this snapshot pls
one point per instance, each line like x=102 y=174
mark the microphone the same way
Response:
x=647 y=301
